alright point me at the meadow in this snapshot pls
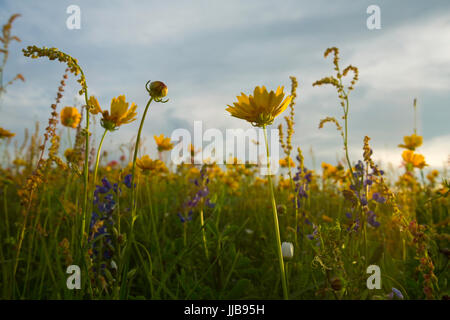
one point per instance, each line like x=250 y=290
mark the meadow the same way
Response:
x=143 y=228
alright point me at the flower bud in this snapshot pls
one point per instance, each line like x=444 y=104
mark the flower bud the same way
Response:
x=158 y=90
x=287 y=249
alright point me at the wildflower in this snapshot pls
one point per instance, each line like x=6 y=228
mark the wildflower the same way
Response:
x=5 y=133
x=121 y=113
x=147 y=164
x=329 y=170
x=395 y=292
x=183 y=219
x=71 y=155
x=432 y=176
x=163 y=143
x=127 y=180
x=411 y=142
x=262 y=108
x=371 y=219
x=157 y=90
x=70 y=117
x=94 y=105
x=378 y=198
x=414 y=160
x=285 y=164
x=287 y=249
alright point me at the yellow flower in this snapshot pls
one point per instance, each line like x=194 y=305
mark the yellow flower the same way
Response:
x=414 y=159
x=163 y=143
x=328 y=170
x=70 y=117
x=147 y=164
x=261 y=108
x=432 y=176
x=411 y=142
x=95 y=106
x=284 y=162
x=6 y=134
x=120 y=114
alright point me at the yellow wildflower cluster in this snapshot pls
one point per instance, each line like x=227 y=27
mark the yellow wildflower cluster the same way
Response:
x=146 y=164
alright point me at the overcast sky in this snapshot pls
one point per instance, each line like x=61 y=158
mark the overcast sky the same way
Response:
x=207 y=52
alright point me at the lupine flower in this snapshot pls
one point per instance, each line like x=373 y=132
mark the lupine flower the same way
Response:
x=287 y=249
x=121 y=113
x=371 y=219
x=99 y=224
x=127 y=180
x=376 y=196
x=395 y=293
x=70 y=117
x=261 y=108
x=183 y=219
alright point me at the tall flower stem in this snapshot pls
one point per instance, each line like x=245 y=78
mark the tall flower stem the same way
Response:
x=97 y=159
x=86 y=166
x=202 y=222
x=275 y=220
x=133 y=170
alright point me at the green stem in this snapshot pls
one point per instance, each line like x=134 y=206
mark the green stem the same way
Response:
x=202 y=222
x=86 y=166
x=133 y=170
x=98 y=156
x=275 y=220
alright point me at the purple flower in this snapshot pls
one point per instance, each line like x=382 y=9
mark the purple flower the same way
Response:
x=378 y=198
x=127 y=180
x=363 y=201
x=397 y=293
x=183 y=219
x=371 y=219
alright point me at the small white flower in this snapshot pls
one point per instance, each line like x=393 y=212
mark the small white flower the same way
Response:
x=287 y=249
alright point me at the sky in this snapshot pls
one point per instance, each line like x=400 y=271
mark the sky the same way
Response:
x=208 y=52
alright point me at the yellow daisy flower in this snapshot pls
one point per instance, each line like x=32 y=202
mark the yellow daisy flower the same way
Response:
x=120 y=114
x=147 y=164
x=6 y=134
x=95 y=106
x=261 y=108
x=163 y=143
x=414 y=159
x=70 y=117
x=411 y=142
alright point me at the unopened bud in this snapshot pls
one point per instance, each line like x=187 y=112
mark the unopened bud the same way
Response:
x=158 y=90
